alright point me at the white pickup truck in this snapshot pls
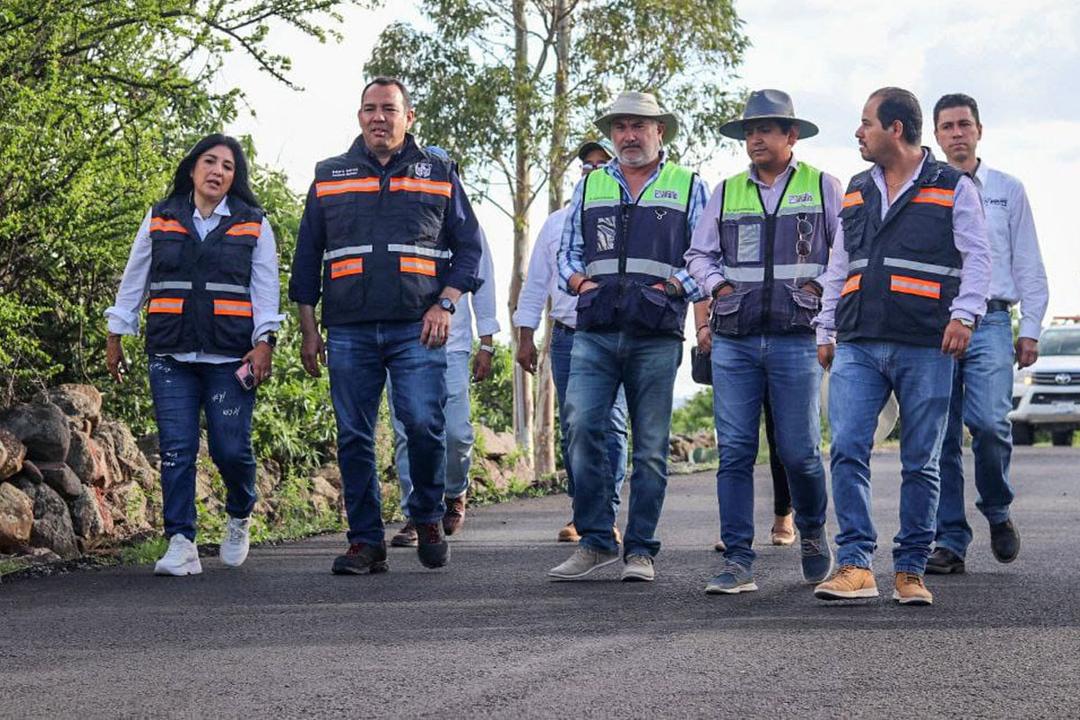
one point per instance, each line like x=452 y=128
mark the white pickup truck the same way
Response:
x=1046 y=395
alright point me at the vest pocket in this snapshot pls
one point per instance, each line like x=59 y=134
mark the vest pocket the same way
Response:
x=166 y=255
x=595 y=309
x=725 y=313
x=652 y=311
x=921 y=306
x=848 y=308
x=805 y=306
x=233 y=321
x=165 y=320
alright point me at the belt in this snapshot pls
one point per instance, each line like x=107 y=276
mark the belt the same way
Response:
x=564 y=327
x=998 y=306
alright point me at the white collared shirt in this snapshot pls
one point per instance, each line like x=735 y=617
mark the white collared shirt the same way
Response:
x=542 y=280
x=1017 y=272
x=134 y=286
x=481 y=301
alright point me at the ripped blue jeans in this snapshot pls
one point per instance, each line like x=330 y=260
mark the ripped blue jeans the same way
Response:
x=181 y=390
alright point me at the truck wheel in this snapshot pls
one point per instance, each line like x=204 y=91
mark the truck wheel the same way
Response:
x=1062 y=438
x=1022 y=433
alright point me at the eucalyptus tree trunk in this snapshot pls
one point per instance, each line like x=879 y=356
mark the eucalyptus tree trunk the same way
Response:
x=523 y=399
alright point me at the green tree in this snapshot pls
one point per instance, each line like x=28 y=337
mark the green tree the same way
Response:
x=98 y=101
x=510 y=87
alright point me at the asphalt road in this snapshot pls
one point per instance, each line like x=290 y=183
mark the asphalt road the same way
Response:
x=490 y=636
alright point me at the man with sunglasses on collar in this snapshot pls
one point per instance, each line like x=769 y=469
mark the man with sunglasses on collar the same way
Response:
x=759 y=250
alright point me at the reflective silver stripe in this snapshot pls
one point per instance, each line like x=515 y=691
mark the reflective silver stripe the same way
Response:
x=857 y=264
x=649 y=267
x=922 y=267
x=350 y=250
x=811 y=208
x=740 y=215
x=602 y=267
x=672 y=203
x=739 y=274
x=798 y=270
x=170 y=285
x=749 y=248
x=225 y=287
x=588 y=204
x=417 y=250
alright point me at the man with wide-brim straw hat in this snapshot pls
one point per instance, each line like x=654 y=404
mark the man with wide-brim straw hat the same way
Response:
x=628 y=225
x=759 y=251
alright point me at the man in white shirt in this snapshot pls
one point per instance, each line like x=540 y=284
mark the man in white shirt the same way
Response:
x=541 y=283
x=982 y=387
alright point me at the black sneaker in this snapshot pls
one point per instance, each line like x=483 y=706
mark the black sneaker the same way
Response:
x=405 y=537
x=944 y=562
x=1005 y=541
x=432 y=547
x=362 y=559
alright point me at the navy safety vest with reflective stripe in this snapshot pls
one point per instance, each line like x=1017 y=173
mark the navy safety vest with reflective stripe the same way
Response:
x=200 y=290
x=903 y=271
x=385 y=237
x=630 y=246
x=769 y=256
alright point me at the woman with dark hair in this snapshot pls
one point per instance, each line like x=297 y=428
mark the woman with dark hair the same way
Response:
x=205 y=258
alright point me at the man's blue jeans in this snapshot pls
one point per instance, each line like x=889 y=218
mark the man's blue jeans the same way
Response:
x=459 y=432
x=562 y=344
x=181 y=390
x=645 y=367
x=863 y=375
x=358 y=357
x=743 y=368
x=981 y=399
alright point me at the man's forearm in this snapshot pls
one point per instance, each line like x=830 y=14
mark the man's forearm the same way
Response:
x=307 y=319
x=452 y=293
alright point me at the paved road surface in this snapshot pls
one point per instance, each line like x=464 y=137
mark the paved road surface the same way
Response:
x=490 y=636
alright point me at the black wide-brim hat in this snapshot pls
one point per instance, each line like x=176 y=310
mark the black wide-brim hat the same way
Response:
x=768 y=105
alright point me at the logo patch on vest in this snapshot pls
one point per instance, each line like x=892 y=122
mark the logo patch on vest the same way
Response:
x=347 y=172
x=660 y=213
x=605 y=234
x=665 y=194
x=800 y=198
x=423 y=170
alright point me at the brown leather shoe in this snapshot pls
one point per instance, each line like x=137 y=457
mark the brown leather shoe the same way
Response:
x=455 y=514
x=910 y=590
x=568 y=533
x=783 y=529
x=405 y=537
x=848 y=583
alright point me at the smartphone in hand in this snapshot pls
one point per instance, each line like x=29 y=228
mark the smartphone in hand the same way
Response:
x=245 y=375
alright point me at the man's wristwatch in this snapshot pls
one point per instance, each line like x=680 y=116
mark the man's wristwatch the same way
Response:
x=970 y=325
x=269 y=338
x=672 y=290
x=488 y=349
x=447 y=304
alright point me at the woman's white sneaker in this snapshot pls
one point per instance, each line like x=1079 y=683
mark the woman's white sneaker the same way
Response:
x=234 y=548
x=182 y=558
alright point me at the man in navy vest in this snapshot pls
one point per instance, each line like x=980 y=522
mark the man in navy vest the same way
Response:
x=627 y=228
x=907 y=280
x=390 y=242
x=760 y=250
x=982 y=389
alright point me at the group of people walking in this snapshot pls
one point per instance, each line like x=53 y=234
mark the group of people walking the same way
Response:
x=901 y=284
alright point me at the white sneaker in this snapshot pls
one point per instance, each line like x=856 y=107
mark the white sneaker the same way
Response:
x=182 y=558
x=234 y=549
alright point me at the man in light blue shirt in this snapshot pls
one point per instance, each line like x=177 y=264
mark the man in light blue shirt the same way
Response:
x=982 y=385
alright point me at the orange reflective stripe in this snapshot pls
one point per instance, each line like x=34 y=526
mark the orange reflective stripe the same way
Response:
x=935 y=196
x=340 y=187
x=915 y=286
x=348 y=266
x=250 y=228
x=172 y=306
x=852 y=199
x=237 y=308
x=430 y=187
x=160 y=224
x=851 y=285
x=420 y=266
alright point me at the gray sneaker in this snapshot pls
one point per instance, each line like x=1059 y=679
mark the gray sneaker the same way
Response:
x=817 y=558
x=638 y=568
x=581 y=563
x=732 y=580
